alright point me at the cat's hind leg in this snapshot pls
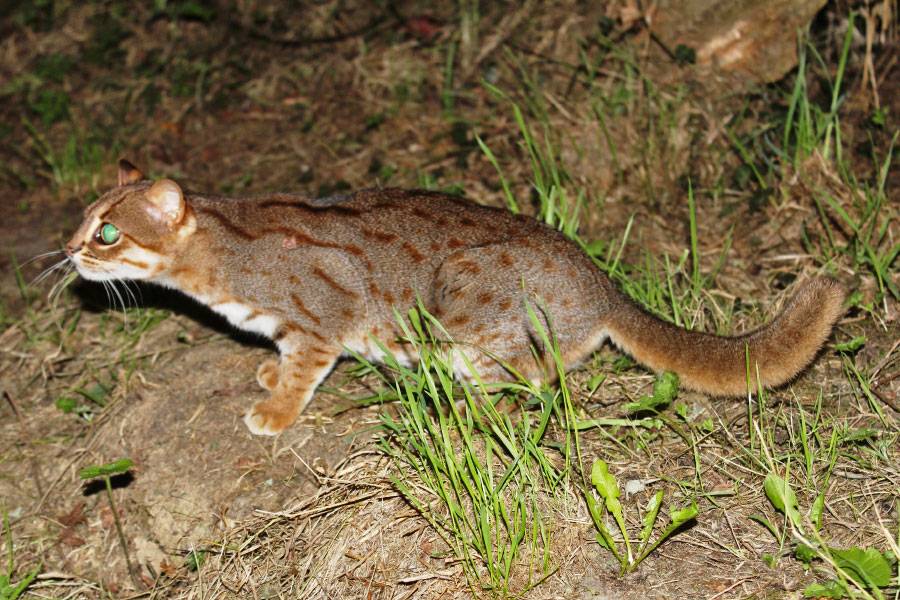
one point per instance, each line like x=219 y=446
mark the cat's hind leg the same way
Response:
x=482 y=296
x=485 y=317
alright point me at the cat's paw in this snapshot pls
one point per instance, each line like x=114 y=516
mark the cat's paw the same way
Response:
x=267 y=374
x=269 y=417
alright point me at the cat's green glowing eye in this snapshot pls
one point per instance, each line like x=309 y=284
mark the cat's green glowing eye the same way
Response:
x=108 y=234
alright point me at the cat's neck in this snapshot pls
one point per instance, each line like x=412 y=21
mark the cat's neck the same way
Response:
x=193 y=260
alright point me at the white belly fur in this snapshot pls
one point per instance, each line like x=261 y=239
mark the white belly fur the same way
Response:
x=237 y=314
x=367 y=348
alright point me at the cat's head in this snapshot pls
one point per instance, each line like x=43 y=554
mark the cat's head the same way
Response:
x=132 y=231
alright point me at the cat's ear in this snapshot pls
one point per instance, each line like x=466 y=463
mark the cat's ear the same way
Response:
x=128 y=173
x=165 y=202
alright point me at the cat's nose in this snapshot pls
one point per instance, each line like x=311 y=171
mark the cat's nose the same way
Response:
x=72 y=248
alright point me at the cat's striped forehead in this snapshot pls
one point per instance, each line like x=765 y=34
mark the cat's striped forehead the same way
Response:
x=95 y=212
x=126 y=208
x=113 y=198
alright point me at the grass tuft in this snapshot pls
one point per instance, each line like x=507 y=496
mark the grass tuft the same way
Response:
x=479 y=478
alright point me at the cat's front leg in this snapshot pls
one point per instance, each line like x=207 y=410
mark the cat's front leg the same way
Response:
x=299 y=374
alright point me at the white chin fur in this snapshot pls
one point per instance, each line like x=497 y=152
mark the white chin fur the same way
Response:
x=119 y=272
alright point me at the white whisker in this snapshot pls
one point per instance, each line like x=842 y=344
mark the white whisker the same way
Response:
x=139 y=300
x=118 y=295
x=129 y=294
x=47 y=272
x=108 y=295
x=137 y=305
x=61 y=284
x=40 y=256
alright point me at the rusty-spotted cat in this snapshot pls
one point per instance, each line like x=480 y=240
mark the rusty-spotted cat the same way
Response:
x=320 y=276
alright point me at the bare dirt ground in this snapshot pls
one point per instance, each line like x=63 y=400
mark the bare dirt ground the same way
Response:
x=232 y=99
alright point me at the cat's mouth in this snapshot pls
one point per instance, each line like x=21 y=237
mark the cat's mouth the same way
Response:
x=89 y=269
x=94 y=269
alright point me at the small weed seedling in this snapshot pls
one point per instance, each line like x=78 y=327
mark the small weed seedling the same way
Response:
x=665 y=388
x=9 y=590
x=195 y=559
x=608 y=489
x=106 y=472
x=860 y=572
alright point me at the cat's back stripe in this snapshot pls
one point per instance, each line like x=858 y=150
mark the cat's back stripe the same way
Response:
x=332 y=283
x=298 y=302
x=226 y=223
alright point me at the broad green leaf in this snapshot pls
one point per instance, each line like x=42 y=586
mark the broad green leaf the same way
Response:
x=868 y=567
x=829 y=589
x=666 y=387
x=678 y=518
x=859 y=435
x=97 y=394
x=851 y=346
x=608 y=488
x=604 y=481
x=594 y=508
x=804 y=554
x=602 y=541
x=782 y=497
x=604 y=538
x=650 y=514
x=645 y=404
x=816 y=510
x=664 y=391
x=66 y=404
x=113 y=468
x=681 y=516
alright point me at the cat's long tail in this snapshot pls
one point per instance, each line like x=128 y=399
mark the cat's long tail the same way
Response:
x=717 y=365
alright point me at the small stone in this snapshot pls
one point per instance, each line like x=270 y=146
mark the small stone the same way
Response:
x=634 y=486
